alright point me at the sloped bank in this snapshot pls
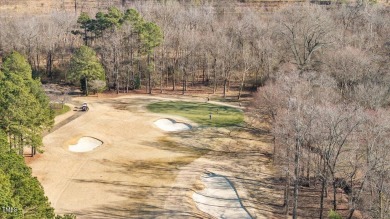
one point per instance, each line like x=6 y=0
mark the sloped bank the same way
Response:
x=219 y=198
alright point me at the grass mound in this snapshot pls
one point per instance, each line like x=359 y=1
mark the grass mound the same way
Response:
x=221 y=116
x=59 y=109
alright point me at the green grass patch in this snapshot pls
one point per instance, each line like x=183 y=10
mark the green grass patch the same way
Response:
x=221 y=116
x=59 y=108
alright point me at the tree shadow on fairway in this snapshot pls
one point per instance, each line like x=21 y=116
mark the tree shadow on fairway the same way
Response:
x=247 y=162
x=147 y=198
x=138 y=210
x=139 y=207
x=142 y=198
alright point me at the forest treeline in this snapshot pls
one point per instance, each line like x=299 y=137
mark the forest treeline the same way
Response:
x=323 y=73
x=24 y=115
x=328 y=103
x=200 y=44
x=161 y=45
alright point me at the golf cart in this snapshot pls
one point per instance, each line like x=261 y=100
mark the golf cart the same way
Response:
x=84 y=107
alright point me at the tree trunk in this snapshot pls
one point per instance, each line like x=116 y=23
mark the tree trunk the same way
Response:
x=287 y=185
x=353 y=210
x=224 y=87
x=184 y=81
x=116 y=80
x=308 y=164
x=323 y=185
x=9 y=140
x=287 y=193
x=150 y=82
x=14 y=142
x=323 y=190
x=37 y=61
x=380 y=205
x=21 y=145
x=241 y=85
x=354 y=198
x=167 y=77
x=334 y=195
x=215 y=76
x=49 y=64
x=173 y=80
x=86 y=86
x=162 y=70
x=204 y=75
x=183 y=84
x=274 y=150
x=256 y=79
x=296 y=180
x=208 y=74
x=86 y=37
x=161 y=82
x=116 y=69
x=149 y=76
x=139 y=74
x=127 y=80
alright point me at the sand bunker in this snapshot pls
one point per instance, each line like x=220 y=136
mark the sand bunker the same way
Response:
x=171 y=125
x=85 y=144
x=219 y=198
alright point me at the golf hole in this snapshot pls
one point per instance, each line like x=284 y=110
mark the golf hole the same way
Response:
x=85 y=144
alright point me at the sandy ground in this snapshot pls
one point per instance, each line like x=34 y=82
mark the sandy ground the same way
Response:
x=85 y=144
x=171 y=125
x=136 y=173
x=219 y=198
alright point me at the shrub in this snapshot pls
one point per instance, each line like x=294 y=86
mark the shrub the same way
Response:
x=334 y=215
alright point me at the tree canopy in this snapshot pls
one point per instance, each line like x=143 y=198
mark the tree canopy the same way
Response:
x=21 y=195
x=85 y=66
x=94 y=28
x=24 y=108
x=24 y=115
x=24 y=192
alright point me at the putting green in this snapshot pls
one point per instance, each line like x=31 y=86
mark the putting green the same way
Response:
x=221 y=116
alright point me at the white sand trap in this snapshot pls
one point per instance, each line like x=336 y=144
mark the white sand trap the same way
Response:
x=171 y=125
x=219 y=198
x=85 y=144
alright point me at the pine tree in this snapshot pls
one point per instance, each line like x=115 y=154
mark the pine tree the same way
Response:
x=8 y=207
x=24 y=107
x=85 y=66
x=151 y=36
x=23 y=192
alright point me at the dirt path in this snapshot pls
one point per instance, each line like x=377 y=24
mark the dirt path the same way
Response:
x=138 y=172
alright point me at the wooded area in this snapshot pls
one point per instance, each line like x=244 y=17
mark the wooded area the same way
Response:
x=328 y=106
x=323 y=73
x=24 y=115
